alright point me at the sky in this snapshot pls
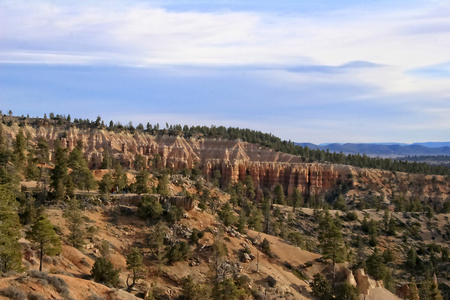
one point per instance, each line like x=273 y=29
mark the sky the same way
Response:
x=308 y=71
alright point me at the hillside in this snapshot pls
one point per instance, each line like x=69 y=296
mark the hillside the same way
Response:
x=214 y=218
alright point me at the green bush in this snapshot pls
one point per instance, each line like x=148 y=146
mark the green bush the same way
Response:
x=103 y=271
x=150 y=208
x=196 y=236
x=265 y=247
x=179 y=251
x=351 y=216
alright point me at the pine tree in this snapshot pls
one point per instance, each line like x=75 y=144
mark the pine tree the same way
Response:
x=32 y=170
x=413 y=292
x=44 y=237
x=59 y=174
x=10 y=249
x=279 y=195
x=226 y=215
x=107 y=160
x=75 y=223
x=120 y=177
x=106 y=184
x=249 y=187
x=20 y=145
x=103 y=271
x=141 y=184
x=321 y=287
x=375 y=266
x=135 y=265
x=331 y=240
x=81 y=175
x=297 y=199
x=163 y=186
x=340 y=203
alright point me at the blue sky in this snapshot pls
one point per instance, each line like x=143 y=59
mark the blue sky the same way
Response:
x=310 y=71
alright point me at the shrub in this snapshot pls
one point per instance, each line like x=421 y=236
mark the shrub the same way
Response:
x=196 y=235
x=150 y=208
x=13 y=292
x=266 y=247
x=60 y=286
x=179 y=251
x=351 y=216
x=299 y=274
x=103 y=271
x=296 y=238
x=174 y=214
x=321 y=287
x=346 y=291
x=35 y=296
x=95 y=297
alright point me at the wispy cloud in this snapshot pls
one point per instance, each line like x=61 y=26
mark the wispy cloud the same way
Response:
x=381 y=62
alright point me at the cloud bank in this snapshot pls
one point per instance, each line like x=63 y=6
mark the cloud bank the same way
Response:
x=384 y=63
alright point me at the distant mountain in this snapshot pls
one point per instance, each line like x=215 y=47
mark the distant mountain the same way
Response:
x=434 y=144
x=385 y=149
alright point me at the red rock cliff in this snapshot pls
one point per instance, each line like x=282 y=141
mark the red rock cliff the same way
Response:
x=235 y=159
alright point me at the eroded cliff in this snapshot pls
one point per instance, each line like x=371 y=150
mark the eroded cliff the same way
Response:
x=233 y=158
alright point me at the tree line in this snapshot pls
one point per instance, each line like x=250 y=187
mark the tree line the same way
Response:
x=251 y=136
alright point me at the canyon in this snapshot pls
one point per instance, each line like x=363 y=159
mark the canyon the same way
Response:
x=234 y=159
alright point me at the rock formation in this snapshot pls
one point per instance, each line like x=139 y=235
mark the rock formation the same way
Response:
x=234 y=159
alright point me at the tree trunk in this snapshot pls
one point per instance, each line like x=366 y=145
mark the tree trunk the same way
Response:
x=41 y=258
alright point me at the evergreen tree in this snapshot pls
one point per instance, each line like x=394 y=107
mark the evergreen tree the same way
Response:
x=321 y=287
x=249 y=187
x=10 y=249
x=226 y=215
x=375 y=266
x=194 y=291
x=44 y=237
x=120 y=177
x=135 y=264
x=150 y=208
x=411 y=257
x=106 y=161
x=297 y=199
x=59 y=174
x=75 y=223
x=20 y=145
x=141 y=184
x=340 y=203
x=81 y=175
x=103 y=271
x=346 y=291
x=106 y=184
x=32 y=170
x=331 y=240
x=413 y=292
x=163 y=186
x=279 y=195
x=156 y=243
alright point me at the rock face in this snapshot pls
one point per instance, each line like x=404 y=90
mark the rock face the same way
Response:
x=365 y=283
x=234 y=159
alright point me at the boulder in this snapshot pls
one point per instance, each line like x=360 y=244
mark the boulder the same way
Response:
x=272 y=282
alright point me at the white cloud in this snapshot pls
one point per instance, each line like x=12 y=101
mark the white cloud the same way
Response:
x=133 y=33
x=157 y=36
x=141 y=35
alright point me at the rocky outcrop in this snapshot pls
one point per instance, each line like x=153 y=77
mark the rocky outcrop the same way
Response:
x=365 y=283
x=234 y=159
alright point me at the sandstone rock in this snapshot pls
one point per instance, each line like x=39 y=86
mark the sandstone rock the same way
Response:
x=364 y=282
x=349 y=278
x=246 y=258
